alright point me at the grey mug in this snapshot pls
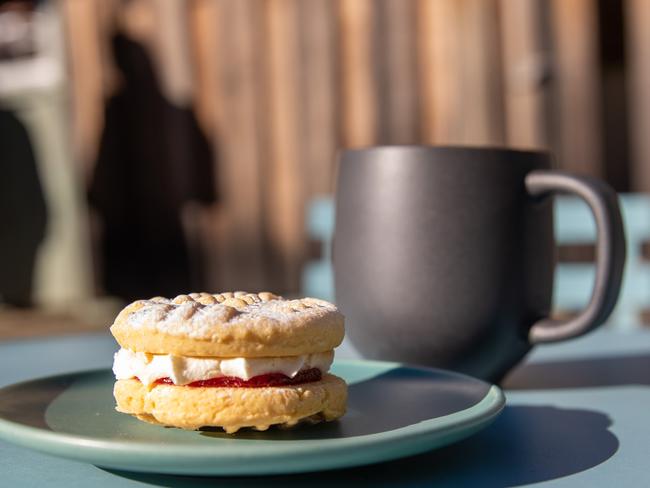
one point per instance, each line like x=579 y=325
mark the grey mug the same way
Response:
x=445 y=256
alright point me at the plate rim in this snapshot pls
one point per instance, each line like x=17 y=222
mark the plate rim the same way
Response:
x=89 y=449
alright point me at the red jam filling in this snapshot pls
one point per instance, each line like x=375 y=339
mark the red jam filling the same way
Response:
x=261 y=381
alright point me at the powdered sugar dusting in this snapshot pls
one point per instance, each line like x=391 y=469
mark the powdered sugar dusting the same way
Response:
x=197 y=315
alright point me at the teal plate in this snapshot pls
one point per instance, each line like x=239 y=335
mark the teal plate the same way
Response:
x=393 y=411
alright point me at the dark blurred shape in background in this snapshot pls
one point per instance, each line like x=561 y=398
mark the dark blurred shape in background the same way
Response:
x=153 y=159
x=22 y=212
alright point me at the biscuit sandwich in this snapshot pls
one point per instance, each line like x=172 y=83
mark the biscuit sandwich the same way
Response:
x=228 y=360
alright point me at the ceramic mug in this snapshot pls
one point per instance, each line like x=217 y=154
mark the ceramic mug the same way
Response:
x=445 y=256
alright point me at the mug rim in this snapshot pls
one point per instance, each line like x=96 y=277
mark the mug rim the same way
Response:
x=452 y=148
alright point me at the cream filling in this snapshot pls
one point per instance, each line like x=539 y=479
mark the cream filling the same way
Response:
x=184 y=370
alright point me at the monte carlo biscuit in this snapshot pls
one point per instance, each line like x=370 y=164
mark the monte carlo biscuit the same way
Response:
x=229 y=360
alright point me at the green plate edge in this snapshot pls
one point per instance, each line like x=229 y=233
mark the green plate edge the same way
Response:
x=309 y=455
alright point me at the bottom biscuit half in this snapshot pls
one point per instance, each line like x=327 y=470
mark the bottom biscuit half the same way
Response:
x=191 y=407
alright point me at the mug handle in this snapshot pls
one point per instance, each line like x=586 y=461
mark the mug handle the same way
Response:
x=610 y=252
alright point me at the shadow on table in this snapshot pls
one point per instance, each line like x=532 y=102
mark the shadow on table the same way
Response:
x=581 y=373
x=526 y=444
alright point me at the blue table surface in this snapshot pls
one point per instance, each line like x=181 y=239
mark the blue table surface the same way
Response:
x=577 y=415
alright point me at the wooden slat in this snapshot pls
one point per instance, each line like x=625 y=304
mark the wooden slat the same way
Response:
x=359 y=104
x=576 y=253
x=283 y=203
x=172 y=51
x=481 y=101
x=460 y=76
x=320 y=93
x=85 y=61
x=576 y=76
x=637 y=17
x=203 y=15
x=238 y=231
x=524 y=66
x=108 y=17
x=35 y=322
x=399 y=115
x=439 y=61
x=204 y=39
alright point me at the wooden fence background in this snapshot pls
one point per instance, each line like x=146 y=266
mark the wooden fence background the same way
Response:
x=280 y=85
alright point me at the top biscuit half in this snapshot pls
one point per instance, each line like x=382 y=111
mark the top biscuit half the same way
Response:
x=229 y=324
